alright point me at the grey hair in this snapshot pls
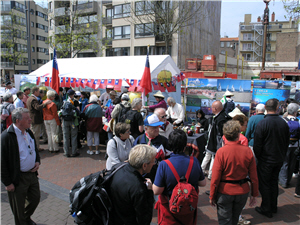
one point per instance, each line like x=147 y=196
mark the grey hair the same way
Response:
x=260 y=108
x=141 y=154
x=50 y=94
x=17 y=114
x=158 y=109
x=171 y=99
x=292 y=108
x=7 y=96
x=93 y=98
x=135 y=102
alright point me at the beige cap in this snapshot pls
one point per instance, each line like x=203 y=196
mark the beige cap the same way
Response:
x=159 y=95
x=228 y=93
x=235 y=112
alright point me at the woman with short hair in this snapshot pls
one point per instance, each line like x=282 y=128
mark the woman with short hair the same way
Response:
x=93 y=115
x=229 y=186
x=137 y=122
x=119 y=146
x=51 y=121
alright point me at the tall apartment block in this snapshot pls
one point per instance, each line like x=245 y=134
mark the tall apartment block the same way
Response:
x=118 y=35
x=15 y=28
x=251 y=38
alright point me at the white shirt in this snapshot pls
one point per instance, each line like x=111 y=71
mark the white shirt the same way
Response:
x=26 y=150
x=104 y=98
x=176 y=112
x=13 y=91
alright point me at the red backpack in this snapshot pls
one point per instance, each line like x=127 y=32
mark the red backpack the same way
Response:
x=184 y=198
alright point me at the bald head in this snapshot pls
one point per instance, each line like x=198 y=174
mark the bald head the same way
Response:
x=161 y=114
x=216 y=107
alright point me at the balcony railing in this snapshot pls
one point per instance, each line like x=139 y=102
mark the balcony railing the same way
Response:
x=107 y=2
x=248 y=39
x=247 y=49
x=89 y=5
x=65 y=11
x=7 y=64
x=107 y=20
x=62 y=29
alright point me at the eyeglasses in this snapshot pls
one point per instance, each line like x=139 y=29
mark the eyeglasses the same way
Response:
x=164 y=116
x=128 y=132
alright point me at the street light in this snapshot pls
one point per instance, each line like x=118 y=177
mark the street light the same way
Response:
x=266 y=23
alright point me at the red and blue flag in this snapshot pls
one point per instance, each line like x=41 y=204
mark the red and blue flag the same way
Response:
x=54 y=83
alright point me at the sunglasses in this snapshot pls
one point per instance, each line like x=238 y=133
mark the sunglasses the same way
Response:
x=163 y=116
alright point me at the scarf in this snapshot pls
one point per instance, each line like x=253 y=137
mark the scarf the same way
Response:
x=149 y=138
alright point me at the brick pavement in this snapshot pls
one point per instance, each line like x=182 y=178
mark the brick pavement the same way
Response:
x=58 y=174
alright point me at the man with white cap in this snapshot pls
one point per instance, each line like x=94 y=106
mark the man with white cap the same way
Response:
x=153 y=138
x=253 y=121
x=105 y=96
x=228 y=104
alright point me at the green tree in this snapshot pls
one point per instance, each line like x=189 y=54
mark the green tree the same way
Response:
x=14 y=39
x=74 y=31
x=163 y=19
x=292 y=8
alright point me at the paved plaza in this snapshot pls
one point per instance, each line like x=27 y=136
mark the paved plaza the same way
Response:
x=58 y=174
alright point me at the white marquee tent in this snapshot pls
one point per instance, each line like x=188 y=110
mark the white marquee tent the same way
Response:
x=117 y=67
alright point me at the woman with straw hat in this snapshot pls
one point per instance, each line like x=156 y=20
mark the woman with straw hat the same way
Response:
x=160 y=98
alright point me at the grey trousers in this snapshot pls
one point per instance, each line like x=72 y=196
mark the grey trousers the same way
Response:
x=69 y=130
x=229 y=208
x=287 y=169
x=25 y=199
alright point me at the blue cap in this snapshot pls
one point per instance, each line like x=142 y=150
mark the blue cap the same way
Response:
x=152 y=121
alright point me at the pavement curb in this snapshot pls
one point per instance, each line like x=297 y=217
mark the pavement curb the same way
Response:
x=54 y=190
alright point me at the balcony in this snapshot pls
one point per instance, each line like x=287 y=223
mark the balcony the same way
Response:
x=6 y=51
x=247 y=39
x=107 y=3
x=107 y=21
x=7 y=65
x=62 y=30
x=5 y=8
x=65 y=11
x=247 y=50
x=107 y=41
x=89 y=7
x=160 y=38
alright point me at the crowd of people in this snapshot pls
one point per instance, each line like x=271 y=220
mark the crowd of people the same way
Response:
x=242 y=157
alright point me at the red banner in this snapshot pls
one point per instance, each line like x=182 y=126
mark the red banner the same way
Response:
x=90 y=83
x=97 y=83
x=73 y=82
x=78 y=81
x=62 y=82
x=118 y=84
x=103 y=84
x=67 y=81
x=157 y=87
x=38 y=80
x=47 y=81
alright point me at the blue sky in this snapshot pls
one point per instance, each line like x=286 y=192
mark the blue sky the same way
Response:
x=233 y=11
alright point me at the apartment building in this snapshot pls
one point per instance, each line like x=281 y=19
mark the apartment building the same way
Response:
x=251 y=37
x=14 y=29
x=119 y=35
x=229 y=45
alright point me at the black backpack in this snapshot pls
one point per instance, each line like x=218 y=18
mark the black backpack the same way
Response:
x=90 y=203
x=122 y=115
x=68 y=111
x=129 y=117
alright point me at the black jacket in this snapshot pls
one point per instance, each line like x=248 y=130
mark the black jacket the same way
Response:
x=215 y=130
x=204 y=122
x=271 y=139
x=10 y=158
x=132 y=201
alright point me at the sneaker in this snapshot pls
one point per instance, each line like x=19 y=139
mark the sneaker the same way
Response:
x=243 y=221
x=90 y=152
x=97 y=152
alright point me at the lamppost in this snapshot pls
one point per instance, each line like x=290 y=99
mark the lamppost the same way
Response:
x=266 y=23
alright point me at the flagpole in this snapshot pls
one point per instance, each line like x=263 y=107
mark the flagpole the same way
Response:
x=143 y=93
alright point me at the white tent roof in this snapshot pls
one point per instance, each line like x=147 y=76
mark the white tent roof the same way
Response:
x=116 y=67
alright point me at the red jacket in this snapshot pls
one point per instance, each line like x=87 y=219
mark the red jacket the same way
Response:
x=233 y=162
x=50 y=112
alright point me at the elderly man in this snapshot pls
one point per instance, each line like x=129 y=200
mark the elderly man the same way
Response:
x=166 y=128
x=253 y=121
x=19 y=103
x=271 y=141
x=6 y=109
x=26 y=91
x=215 y=133
x=10 y=89
x=153 y=138
x=286 y=172
x=121 y=109
x=20 y=161
x=175 y=112
x=133 y=197
x=105 y=96
x=36 y=114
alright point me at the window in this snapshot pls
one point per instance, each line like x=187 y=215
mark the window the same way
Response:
x=143 y=50
x=247 y=37
x=41 y=38
x=118 y=51
x=42 y=61
x=31 y=11
x=85 y=55
x=247 y=47
x=228 y=44
x=33 y=61
x=269 y=36
x=20 y=21
x=109 y=13
x=32 y=24
x=121 y=11
x=247 y=56
x=20 y=7
x=38 y=49
x=21 y=48
x=268 y=47
x=32 y=36
x=6 y=20
x=143 y=29
x=33 y=49
x=40 y=14
x=50 y=7
x=109 y=33
x=222 y=44
x=223 y=52
x=268 y=57
x=161 y=50
x=143 y=7
x=87 y=19
x=121 y=32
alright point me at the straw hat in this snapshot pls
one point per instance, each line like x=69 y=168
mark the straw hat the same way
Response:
x=159 y=95
x=235 y=112
x=228 y=93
